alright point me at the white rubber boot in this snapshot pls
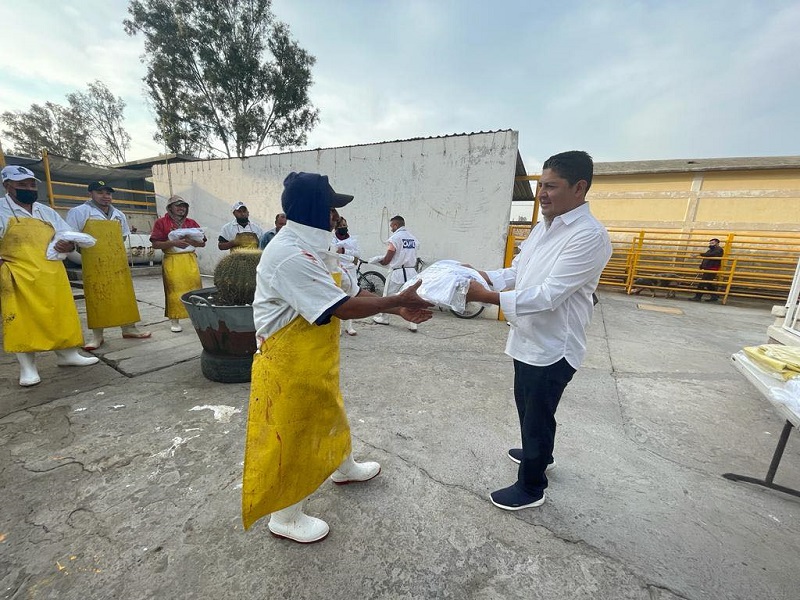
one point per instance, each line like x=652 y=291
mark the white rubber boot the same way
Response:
x=71 y=358
x=352 y=472
x=348 y=327
x=293 y=524
x=175 y=326
x=96 y=341
x=28 y=374
x=380 y=319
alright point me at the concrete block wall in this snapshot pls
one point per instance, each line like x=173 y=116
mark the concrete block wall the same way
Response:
x=454 y=192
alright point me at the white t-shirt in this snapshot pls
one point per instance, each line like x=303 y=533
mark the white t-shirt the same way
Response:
x=77 y=217
x=229 y=230
x=294 y=279
x=553 y=276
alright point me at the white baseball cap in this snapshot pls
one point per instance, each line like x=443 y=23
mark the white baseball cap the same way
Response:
x=17 y=173
x=239 y=205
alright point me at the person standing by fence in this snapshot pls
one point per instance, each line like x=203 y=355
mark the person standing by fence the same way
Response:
x=710 y=266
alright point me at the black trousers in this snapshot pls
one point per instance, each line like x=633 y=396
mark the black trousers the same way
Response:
x=706 y=277
x=537 y=392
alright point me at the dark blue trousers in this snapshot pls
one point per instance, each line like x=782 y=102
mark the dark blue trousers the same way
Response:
x=537 y=391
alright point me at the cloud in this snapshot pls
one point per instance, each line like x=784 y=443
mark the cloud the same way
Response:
x=623 y=80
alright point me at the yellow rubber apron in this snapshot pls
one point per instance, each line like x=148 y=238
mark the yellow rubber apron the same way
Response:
x=180 y=274
x=107 y=283
x=38 y=310
x=297 y=428
x=245 y=240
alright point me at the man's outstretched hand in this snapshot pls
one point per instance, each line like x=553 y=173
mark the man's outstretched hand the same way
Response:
x=412 y=307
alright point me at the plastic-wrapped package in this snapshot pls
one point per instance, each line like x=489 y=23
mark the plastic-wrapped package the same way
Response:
x=788 y=394
x=195 y=233
x=777 y=358
x=446 y=283
x=80 y=239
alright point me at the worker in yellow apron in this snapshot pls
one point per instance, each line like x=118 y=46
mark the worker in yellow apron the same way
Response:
x=107 y=282
x=38 y=310
x=298 y=434
x=179 y=269
x=241 y=233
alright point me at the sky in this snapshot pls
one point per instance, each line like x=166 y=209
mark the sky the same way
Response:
x=621 y=79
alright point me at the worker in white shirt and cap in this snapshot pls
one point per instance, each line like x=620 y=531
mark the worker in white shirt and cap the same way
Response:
x=107 y=282
x=38 y=310
x=546 y=296
x=241 y=233
x=298 y=434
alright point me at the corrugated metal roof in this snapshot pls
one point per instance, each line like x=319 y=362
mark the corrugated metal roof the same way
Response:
x=697 y=164
x=147 y=163
x=430 y=137
x=66 y=169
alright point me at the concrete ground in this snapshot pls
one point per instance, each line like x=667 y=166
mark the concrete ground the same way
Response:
x=123 y=480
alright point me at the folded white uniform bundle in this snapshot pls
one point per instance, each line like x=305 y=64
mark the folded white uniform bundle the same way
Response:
x=82 y=240
x=446 y=283
x=195 y=233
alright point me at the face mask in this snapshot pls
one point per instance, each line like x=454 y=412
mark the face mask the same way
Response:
x=341 y=231
x=242 y=222
x=27 y=196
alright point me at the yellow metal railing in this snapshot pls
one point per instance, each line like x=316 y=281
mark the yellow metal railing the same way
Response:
x=755 y=265
x=535 y=178
x=145 y=206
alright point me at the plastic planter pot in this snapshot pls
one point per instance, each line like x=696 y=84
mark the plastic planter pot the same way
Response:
x=227 y=334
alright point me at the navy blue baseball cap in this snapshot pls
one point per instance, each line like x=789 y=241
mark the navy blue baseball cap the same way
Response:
x=308 y=197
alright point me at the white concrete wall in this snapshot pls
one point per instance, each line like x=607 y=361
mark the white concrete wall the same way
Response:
x=454 y=192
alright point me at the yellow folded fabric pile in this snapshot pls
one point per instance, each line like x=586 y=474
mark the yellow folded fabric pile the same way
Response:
x=776 y=358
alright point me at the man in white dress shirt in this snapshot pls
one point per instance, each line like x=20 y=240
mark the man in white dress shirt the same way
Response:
x=549 y=306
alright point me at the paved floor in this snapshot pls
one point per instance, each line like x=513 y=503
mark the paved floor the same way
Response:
x=122 y=480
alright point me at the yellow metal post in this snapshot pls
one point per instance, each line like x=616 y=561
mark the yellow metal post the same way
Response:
x=637 y=251
x=535 y=179
x=730 y=282
x=48 y=180
x=2 y=156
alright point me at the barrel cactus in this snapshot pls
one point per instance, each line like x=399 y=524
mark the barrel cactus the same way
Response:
x=235 y=278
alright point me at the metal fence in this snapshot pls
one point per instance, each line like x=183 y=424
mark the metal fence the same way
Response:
x=128 y=200
x=755 y=264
